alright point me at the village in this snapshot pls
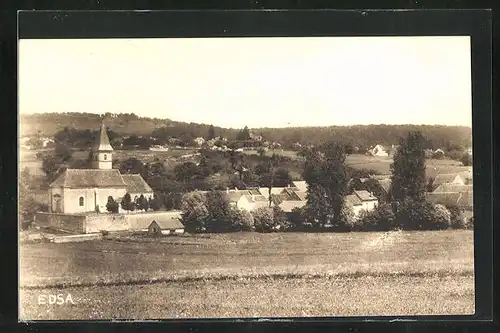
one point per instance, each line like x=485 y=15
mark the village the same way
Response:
x=97 y=200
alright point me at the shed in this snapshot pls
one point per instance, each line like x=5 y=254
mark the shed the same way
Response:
x=165 y=227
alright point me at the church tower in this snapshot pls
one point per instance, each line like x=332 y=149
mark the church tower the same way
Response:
x=102 y=151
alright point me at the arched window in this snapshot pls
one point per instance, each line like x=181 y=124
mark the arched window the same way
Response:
x=81 y=201
x=105 y=157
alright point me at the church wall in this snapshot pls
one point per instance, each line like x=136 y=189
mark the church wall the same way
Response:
x=67 y=222
x=108 y=222
x=90 y=195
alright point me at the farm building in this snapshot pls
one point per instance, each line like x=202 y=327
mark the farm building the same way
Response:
x=85 y=190
x=379 y=150
x=247 y=201
x=450 y=187
x=361 y=200
x=449 y=199
x=452 y=178
x=165 y=227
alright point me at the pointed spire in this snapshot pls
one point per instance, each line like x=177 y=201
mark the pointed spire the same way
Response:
x=102 y=142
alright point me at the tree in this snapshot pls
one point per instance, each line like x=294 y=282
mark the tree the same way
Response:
x=218 y=219
x=466 y=159
x=142 y=203
x=194 y=212
x=457 y=218
x=263 y=219
x=127 y=203
x=282 y=178
x=63 y=152
x=154 y=203
x=380 y=219
x=326 y=175
x=297 y=218
x=187 y=171
x=261 y=151
x=408 y=169
x=211 y=132
x=132 y=166
x=112 y=206
x=244 y=134
x=242 y=220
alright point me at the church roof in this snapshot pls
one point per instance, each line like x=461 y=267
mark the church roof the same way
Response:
x=102 y=142
x=85 y=178
x=136 y=184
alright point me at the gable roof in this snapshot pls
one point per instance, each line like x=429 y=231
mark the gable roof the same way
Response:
x=102 y=142
x=301 y=185
x=450 y=187
x=443 y=178
x=380 y=177
x=256 y=198
x=364 y=195
x=302 y=195
x=444 y=198
x=168 y=223
x=288 y=206
x=136 y=184
x=85 y=178
x=352 y=199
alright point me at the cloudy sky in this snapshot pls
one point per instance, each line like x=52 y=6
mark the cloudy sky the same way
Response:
x=258 y=82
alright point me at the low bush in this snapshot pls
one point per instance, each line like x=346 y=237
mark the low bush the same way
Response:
x=264 y=219
x=380 y=219
x=422 y=215
x=242 y=220
x=457 y=218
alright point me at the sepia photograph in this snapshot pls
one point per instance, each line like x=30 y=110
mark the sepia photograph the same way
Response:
x=245 y=177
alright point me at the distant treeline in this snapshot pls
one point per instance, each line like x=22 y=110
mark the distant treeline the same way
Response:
x=361 y=136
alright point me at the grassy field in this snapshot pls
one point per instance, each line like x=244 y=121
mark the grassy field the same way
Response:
x=251 y=274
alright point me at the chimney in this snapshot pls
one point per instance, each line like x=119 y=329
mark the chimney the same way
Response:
x=227 y=189
x=236 y=189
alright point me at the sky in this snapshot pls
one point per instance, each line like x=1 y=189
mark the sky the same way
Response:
x=254 y=82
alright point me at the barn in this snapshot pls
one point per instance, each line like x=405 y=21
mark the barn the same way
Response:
x=165 y=227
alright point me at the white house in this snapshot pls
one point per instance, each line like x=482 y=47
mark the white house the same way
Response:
x=361 y=201
x=379 y=150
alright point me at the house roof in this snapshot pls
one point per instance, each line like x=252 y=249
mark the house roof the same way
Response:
x=85 y=178
x=444 y=198
x=449 y=187
x=256 y=198
x=380 y=177
x=364 y=195
x=102 y=142
x=443 y=178
x=385 y=184
x=288 y=206
x=352 y=199
x=301 y=185
x=136 y=184
x=302 y=195
x=168 y=222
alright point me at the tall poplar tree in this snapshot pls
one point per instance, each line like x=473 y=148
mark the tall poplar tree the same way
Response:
x=408 y=169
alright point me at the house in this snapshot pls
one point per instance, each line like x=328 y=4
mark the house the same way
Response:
x=199 y=141
x=451 y=187
x=88 y=190
x=165 y=227
x=361 y=201
x=301 y=185
x=453 y=178
x=378 y=150
x=246 y=201
x=289 y=206
x=462 y=200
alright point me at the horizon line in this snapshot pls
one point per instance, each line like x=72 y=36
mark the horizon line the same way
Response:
x=236 y=128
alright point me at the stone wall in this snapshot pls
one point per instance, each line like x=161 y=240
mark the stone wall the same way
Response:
x=94 y=222
x=108 y=222
x=68 y=222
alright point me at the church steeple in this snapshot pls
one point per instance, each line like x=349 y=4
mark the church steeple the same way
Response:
x=102 y=151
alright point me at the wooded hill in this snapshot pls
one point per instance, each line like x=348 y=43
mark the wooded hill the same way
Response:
x=438 y=136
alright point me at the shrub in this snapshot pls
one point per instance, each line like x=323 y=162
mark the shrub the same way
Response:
x=422 y=215
x=457 y=218
x=242 y=220
x=297 y=218
x=380 y=219
x=264 y=219
x=154 y=203
x=470 y=223
x=348 y=220
x=280 y=221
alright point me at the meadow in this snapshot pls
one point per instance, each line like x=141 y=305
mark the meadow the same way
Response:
x=252 y=275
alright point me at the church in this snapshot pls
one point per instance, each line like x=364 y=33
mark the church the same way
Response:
x=78 y=191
